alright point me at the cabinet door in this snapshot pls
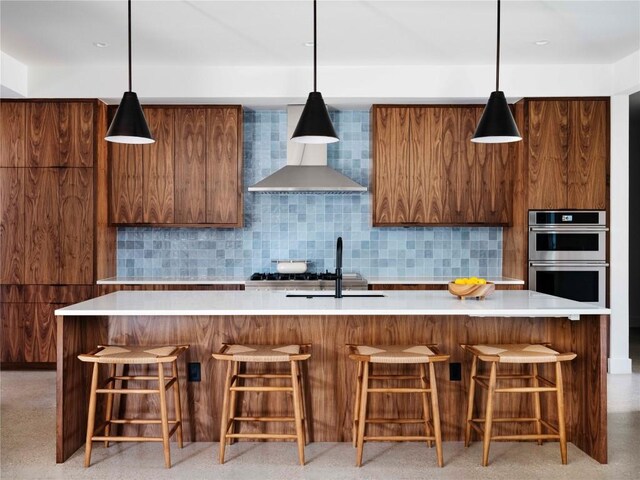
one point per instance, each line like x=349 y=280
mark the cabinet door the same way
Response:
x=465 y=202
x=126 y=183
x=423 y=174
x=548 y=153
x=190 y=165
x=392 y=164
x=157 y=165
x=76 y=225
x=76 y=134
x=42 y=226
x=12 y=225
x=13 y=129
x=588 y=157
x=43 y=134
x=12 y=334
x=224 y=167
x=40 y=332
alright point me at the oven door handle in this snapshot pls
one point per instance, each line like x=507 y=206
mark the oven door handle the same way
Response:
x=567 y=264
x=568 y=230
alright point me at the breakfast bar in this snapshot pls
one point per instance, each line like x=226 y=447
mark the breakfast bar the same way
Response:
x=205 y=320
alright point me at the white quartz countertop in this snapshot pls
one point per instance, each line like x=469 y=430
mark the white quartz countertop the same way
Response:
x=435 y=280
x=515 y=303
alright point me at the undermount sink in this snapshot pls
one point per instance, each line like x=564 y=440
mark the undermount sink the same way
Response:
x=329 y=295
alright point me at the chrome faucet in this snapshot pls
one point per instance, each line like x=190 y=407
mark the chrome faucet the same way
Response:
x=339 y=268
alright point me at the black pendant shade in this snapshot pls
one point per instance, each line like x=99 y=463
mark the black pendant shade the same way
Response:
x=496 y=124
x=315 y=125
x=129 y=125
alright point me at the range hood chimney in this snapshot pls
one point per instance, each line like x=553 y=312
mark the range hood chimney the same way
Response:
x=306 y=169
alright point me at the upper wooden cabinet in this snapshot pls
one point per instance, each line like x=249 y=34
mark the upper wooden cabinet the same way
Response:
x=426 y=170
x=191 y=175
x=568 y=144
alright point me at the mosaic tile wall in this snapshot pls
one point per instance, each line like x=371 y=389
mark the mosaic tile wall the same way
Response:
x=305 y=226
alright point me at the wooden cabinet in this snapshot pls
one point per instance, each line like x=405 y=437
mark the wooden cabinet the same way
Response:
x=13 y=134
x=191 y=175
x=567 y=153
x=11 y=225
x=426 y=170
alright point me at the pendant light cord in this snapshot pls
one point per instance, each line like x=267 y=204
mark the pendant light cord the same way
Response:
x=498 y=52
x=315 y=48
x=129 y=21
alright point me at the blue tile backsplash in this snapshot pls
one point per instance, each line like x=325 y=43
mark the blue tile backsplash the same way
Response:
x=305 y=226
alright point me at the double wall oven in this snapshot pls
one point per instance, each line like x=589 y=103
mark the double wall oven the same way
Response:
x=568 y=254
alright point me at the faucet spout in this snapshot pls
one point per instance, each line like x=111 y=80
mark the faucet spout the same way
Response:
x=339 y=268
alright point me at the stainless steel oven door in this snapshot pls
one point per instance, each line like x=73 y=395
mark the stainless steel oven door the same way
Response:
x=580 y=281
x=567 y=244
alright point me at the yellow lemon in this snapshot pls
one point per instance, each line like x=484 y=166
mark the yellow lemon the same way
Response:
x=459 y=281
x=482 y=281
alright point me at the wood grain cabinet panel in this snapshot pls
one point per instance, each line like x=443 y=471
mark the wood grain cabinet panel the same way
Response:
x=13 y=132
x=392 y=167
x=190 y=165
x=548 y=153
x=76 y=134
x=424 y=177
x=76 y=225
x=126 y=183
x=42 y=226
x=12 y=333
x=588 y=159
x=43 y=134
x=224 y=166
x=40 y=332
x=157 y=167
x=12 y=225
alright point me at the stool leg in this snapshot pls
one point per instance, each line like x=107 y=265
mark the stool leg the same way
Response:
x=303 y=406
x=297 y=410
x=233 y=398
x=536 y=401
x=109 y=409
x=472 y=392
x=92 y=415
x=164 y=419
x=224 y=414
x=176 y=401
x=362 y=412
x=356 y=404
x=489 y=416
x=561 y=425
x=436 y=413
x=425 y=403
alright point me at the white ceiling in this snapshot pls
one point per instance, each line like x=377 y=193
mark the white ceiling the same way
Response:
x=230 y=33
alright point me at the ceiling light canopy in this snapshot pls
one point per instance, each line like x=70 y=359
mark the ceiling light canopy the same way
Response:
x=497 y=124
x=129 y=124
x=315 y=125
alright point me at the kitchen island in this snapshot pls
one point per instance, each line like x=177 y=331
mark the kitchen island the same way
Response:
x=206 y=319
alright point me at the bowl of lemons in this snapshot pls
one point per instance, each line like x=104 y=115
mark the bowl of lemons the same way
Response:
x=472 y=287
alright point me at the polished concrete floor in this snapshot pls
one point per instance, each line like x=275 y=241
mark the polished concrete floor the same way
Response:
x=27 y=448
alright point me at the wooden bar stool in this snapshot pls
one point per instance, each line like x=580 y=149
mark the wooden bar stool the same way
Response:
x=526 y=354
x=236 y=355
x=113 y=355
x=398 y=354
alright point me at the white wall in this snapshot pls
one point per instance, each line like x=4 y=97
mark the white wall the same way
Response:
x=13 y=77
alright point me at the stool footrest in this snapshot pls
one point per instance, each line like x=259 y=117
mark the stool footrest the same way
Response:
x=398 y=390
x=109 y=438
x=276 y=436
x=400 y=421
x=139 y=421
x=528 y=438
x=261 y=389
x=263 y=419
x=394 y=377
x=398 y=438
x=262 y=375
x=125 y=391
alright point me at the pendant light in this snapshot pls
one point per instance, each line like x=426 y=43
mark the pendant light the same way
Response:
x=129 y=125
x=315 y=125
x=497 y=124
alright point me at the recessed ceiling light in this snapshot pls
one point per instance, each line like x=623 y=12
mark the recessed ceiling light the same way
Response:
x=542 y=43
x=100 y=44
x=308 y=44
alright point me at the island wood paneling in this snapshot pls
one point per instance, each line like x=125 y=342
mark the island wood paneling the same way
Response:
x=224 y=166
x=126 y=183
x=76 y=134
x=42 y=226
x=12 y=225
x=391 y=171
x=330 y=375
x=190 y=165
x=589 y=150
x=548 y=142
x=157 y=167
x=13 y=132
x=43 y=134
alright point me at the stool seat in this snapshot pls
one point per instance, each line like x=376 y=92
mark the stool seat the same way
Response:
x=133 y=354
x=395 y=353
x=260 y=353
x=519 y=353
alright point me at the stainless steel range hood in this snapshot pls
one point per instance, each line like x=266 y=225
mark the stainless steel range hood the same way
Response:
x=306 y=169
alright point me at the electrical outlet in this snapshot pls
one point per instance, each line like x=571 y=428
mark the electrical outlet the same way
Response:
x=455 y=372
x=194 y=372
